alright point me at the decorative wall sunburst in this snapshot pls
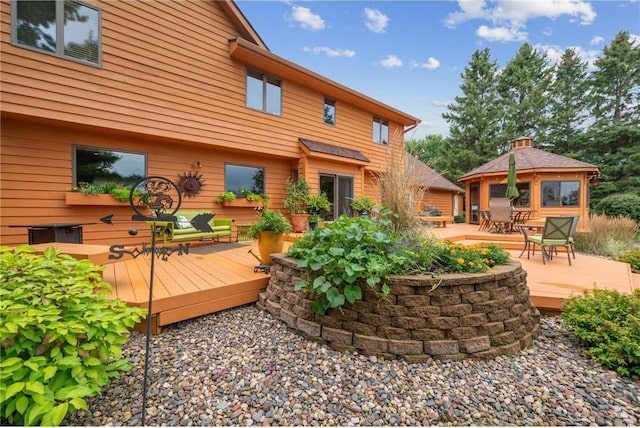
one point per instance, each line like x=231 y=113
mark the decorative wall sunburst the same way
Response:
x=190 y=183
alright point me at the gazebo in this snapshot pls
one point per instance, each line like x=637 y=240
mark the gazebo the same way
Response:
x=549 y=184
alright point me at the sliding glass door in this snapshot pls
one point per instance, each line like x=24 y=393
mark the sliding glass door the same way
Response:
x=339 y=190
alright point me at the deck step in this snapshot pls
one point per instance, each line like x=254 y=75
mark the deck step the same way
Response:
x=635 y=281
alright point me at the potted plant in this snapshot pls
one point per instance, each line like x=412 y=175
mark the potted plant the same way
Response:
x=363 y=205
x=296 y=203
x=226 y=196
x=269 y=229
x=315 y=205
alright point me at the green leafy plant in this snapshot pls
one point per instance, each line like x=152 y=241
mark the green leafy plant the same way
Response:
x=608 y=322
x=251 y=196
x=226 y=196
x=297 y=196
x=317 y=203
x=458 y=219
x=269 y=221
x=117 y=191
x=363 y=204
x=625 y=204
x=61 y=336
x=351 y=253
x=633 y=258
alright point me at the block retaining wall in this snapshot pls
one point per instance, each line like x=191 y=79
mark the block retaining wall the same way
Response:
x=466 y=316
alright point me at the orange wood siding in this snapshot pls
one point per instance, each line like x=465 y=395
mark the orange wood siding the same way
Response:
x=438 y=198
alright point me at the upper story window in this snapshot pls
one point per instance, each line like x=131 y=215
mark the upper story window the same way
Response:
x=329 y=111
x=264 y=92
x=99 y=166
x=560 y=193
x=65 y=28
x=238 y=178
x=380 y=131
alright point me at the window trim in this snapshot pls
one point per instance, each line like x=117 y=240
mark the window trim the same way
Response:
x=59 y=53
x=265 y=81
x=381 y=122
x=516 y=199
x=332 y=102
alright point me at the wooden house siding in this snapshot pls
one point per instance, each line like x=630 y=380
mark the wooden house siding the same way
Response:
x=442 y=199
x=166 y=87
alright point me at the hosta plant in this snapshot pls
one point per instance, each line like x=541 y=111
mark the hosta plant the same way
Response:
x=61 y=336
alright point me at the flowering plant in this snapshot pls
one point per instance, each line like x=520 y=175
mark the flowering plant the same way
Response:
x=469 y=258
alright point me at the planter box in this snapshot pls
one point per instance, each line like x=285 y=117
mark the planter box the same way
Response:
x=77 y=198
x=242 y=203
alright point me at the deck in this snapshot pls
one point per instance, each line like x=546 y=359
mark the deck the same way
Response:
x=220 y=276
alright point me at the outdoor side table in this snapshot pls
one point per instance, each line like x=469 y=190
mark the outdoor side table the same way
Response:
x=243 y=233
x=54 y=232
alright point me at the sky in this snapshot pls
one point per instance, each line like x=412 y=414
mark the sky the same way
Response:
x=411 y=54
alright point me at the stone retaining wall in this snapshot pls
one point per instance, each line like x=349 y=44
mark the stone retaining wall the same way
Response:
x=466 y=316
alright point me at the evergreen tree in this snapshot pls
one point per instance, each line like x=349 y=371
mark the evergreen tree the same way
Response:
x=523 y=87
x=473 y=118
x=431 y=150
x=567 y=106
x=614 y=138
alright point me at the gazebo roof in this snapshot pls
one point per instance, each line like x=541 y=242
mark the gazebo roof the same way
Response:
x=429 y=177
x=529 y=158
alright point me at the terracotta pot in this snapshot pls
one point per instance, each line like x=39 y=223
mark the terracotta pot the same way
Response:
x=299 y=222
x=269 y=243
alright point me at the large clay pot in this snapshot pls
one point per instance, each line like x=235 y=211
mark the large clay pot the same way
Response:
x=269 y=243
x=299 y=222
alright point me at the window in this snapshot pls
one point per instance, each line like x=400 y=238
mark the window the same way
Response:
x=560 y=193
x=100 y=166
x=67 y=29
x=238 y=178
x=524 y=200
x=380 y=131
x=329 y=111
x=264 y=92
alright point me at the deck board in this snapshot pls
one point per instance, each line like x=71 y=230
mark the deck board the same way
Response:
x=200 y=283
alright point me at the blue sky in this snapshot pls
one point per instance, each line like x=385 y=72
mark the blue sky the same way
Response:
x=410 y=54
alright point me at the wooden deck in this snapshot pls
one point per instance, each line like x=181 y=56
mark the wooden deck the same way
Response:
x=220 y=276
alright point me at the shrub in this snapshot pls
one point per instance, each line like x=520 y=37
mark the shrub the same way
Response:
x=626 y=204
x=633 y=258
x=351 y=253
x=61 y=336
x=607 y=236
x=458 y=219
x=608 y=322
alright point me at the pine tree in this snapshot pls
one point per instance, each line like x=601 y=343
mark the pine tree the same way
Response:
x=567 y=106
x=523 y=87
x=473 y=118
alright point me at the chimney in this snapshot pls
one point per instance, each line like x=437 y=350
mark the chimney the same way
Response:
x=521 y=142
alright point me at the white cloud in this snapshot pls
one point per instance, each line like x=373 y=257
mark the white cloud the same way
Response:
x=376 y=20
x=441 y=103
x=500 y=11
x=431 y=64
x=391 y=61
x=554 y=54
x=596 y=40
x=501 y=34
x=306 y=19
x=547 y=31
x=347 y=53
x=635 y=39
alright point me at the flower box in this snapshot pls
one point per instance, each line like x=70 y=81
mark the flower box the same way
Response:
x=243 y=203
x=78 y=198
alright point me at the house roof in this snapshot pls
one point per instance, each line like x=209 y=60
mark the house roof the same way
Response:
x=529 y=158
x=241 y=22
x=259 y=57
x=429 y=177
x=330 y=149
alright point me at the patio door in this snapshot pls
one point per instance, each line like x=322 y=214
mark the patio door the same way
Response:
x=474 y=203
x=339 y=190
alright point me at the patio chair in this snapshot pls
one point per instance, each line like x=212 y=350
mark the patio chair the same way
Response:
x=572 y=233
x=485 y=220
x=500 y=212
x=556 y=233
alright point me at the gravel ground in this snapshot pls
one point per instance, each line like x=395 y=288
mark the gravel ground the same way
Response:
x=243 y=367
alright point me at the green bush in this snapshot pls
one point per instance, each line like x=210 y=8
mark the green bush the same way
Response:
x=350 y=253
x=61 y=335
x=633 y=258
x=626 y=204
x=458 y=219
x=609 y=323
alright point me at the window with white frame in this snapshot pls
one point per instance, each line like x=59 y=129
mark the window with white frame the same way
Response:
x=380 y=130
x=67 y=29
x=560 y=193
x=94 y=165
x=329 y=111
x=264 y=92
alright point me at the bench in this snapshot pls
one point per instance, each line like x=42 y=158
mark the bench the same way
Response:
x=183 y=230
x=440 y=220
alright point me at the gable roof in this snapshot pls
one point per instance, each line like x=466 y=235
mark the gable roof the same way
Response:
x=330 y=149
x=241 y=22
x=429 y=178
x=529 y=158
